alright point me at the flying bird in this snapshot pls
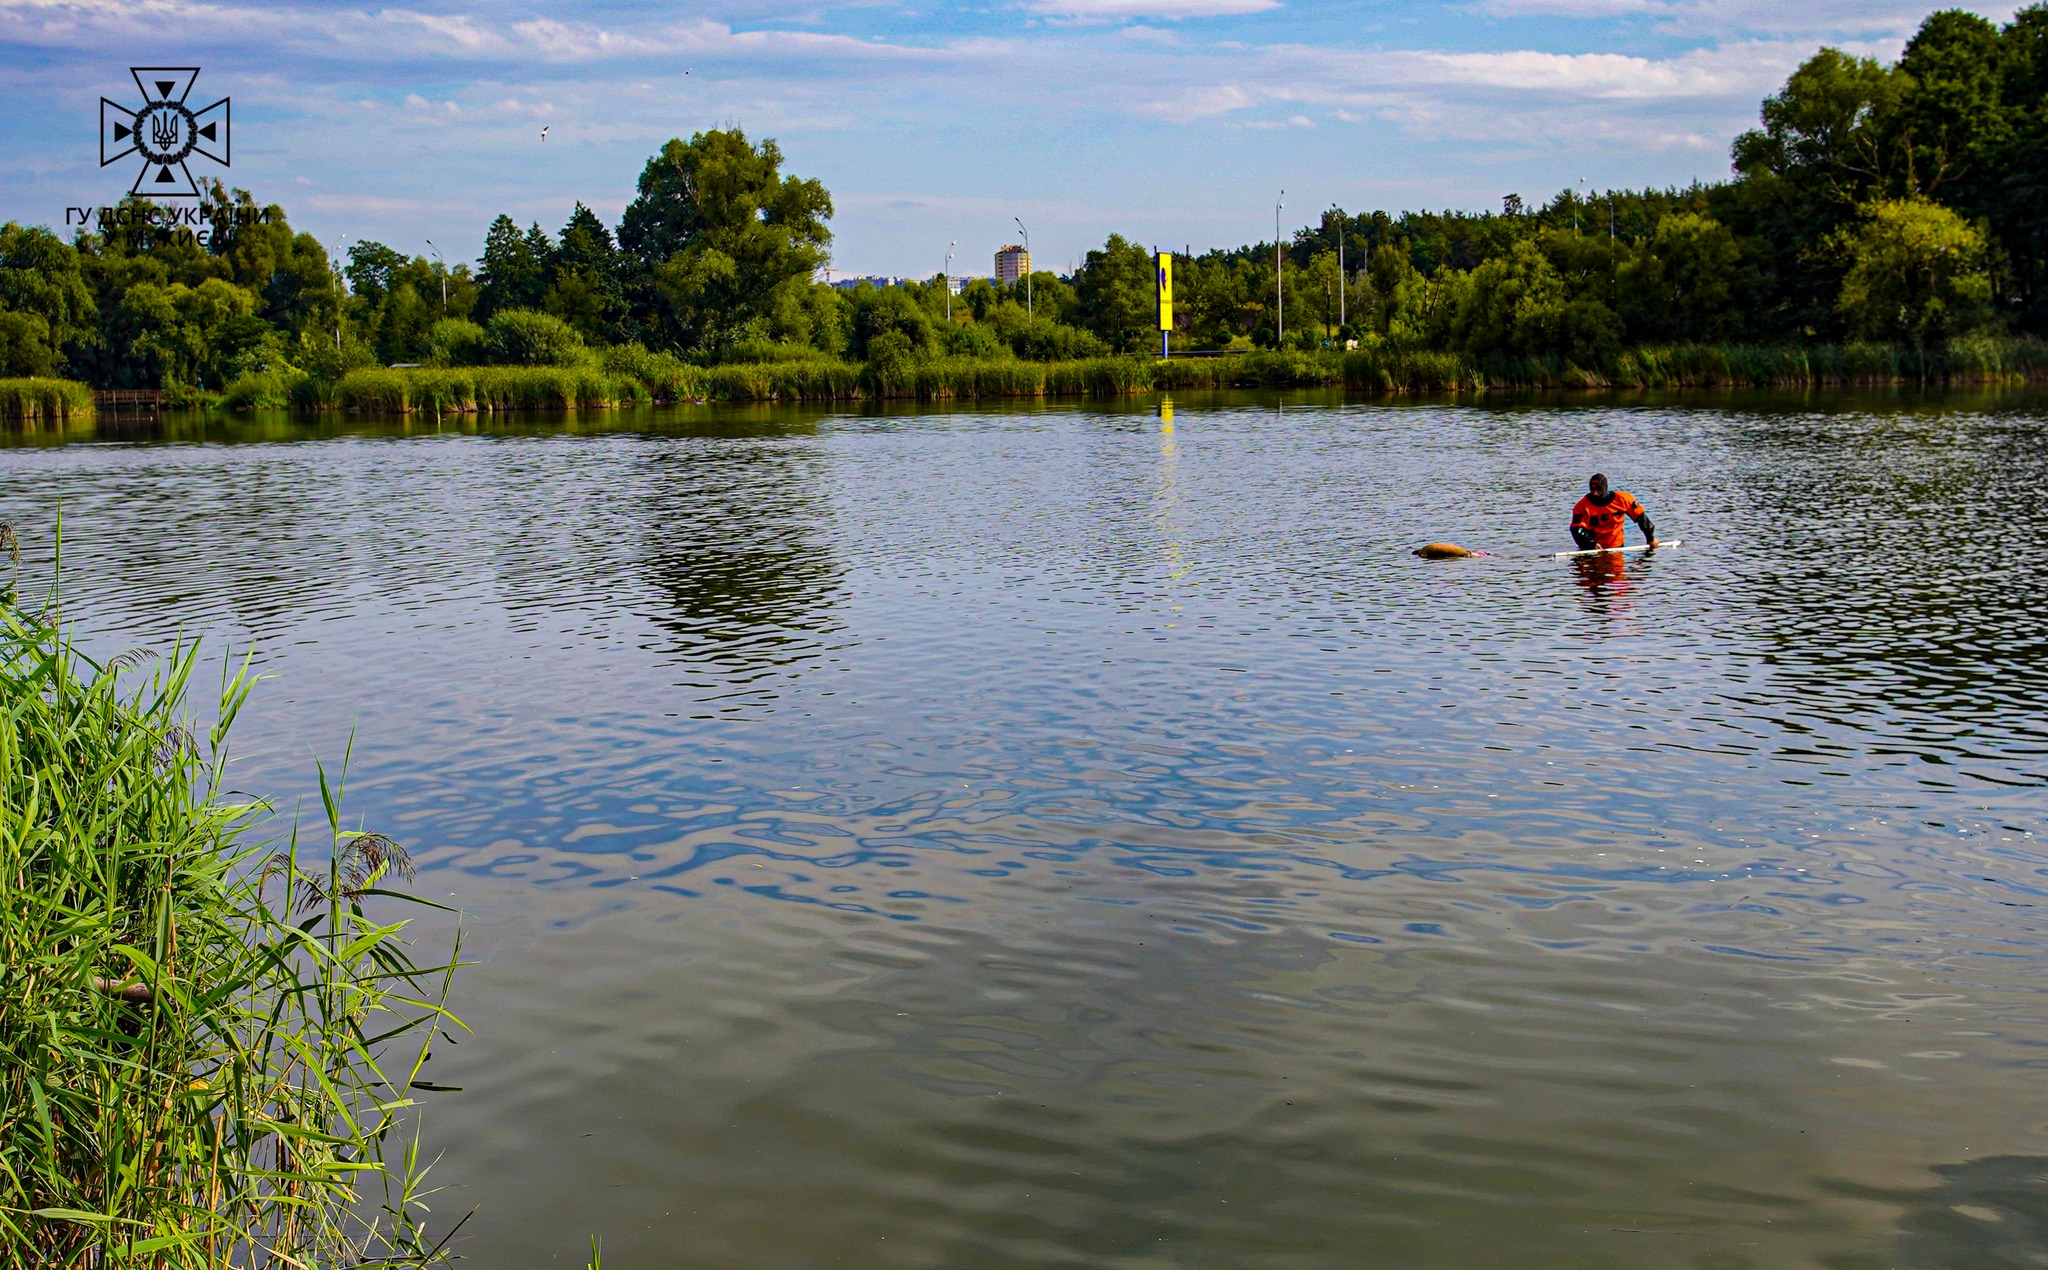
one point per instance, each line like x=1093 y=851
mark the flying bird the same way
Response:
x=544 y=132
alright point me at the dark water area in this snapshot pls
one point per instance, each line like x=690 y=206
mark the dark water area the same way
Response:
x=1056 y=836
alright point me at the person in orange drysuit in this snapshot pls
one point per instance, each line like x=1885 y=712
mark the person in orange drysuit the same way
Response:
x=1597 y=519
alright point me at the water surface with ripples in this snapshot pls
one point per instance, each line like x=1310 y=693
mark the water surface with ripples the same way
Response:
x=1053 y=836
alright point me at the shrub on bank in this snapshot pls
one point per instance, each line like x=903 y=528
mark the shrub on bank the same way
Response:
x=263 y=390
x=528 y=337
x=456 y=342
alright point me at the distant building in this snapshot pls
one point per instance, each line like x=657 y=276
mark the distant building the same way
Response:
x=873 y=280
x=1012 y=263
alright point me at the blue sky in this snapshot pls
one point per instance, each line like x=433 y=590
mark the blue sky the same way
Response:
x=1171 y=121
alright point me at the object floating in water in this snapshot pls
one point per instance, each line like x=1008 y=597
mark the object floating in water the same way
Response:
x=1444 y=551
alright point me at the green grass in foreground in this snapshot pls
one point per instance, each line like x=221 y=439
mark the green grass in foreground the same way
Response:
x=207 y=1044
x=34 y=400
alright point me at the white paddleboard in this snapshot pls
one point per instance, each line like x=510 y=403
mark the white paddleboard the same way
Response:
x=1609 y=551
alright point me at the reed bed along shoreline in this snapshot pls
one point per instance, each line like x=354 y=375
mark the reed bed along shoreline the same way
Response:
x=1382 y=370
x=633 y=376
x=38 y=400
x=210 y=1038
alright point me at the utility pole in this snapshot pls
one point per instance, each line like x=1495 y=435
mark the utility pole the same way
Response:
x=1027 y=263
x=1279 y=278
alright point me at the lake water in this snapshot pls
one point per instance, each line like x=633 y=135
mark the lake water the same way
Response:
x=1057 y=837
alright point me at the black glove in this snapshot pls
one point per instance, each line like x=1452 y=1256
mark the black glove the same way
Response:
x=1582 y=536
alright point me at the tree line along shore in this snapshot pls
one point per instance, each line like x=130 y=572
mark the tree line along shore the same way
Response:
x=1884 y=223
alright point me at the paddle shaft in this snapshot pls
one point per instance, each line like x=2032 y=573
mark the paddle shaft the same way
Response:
x=1603 y=551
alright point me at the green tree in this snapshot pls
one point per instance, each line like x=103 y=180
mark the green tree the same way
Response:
x=403 y=320
x=199 y=336
x=2015 y=169
x=1681 y=284
x=1916 y=273
x=1827 y=128
x=891 y=312
x=1951 y=120
x=1521 y=305
x=1823 y=151
x=43 y=282
x=717 y=237
x=1396 y=287
x=371 y=268
x=1318 y=285
x=25 y=345
x=584 y=288
x=513 y=271
x=1119 y=295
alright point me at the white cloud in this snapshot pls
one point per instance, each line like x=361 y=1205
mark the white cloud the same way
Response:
x=1605 y=75
x=1115 y=10
x=1569 y=8
x=402 y=35
x=1816 y=20
x=1200 y=103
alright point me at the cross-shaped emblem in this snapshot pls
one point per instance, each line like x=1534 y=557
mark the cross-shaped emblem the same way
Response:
x=165 y=131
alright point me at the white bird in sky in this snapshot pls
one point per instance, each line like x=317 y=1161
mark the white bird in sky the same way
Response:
x=544 y=132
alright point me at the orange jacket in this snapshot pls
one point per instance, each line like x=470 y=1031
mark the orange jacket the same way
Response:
x=1604 y=520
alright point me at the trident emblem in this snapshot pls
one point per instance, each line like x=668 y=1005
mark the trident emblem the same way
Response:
x=165 y=131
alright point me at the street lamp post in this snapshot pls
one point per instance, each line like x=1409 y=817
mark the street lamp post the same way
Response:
x=1340 y=264
x=1279 y=278
x=341 y=252
x=1027 y=264
x=444 y=275
x=948 y=279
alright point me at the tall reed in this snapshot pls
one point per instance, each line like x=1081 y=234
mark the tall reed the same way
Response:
x=817 y=379
x=36 y=400
x=631 y=374
x=413 y=390
x=208 y=1039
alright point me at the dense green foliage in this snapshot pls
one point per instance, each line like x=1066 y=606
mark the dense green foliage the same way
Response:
x=205 y=1043
x=1893 y=204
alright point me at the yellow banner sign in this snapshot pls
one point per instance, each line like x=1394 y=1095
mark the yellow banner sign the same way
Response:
x=1165 y=262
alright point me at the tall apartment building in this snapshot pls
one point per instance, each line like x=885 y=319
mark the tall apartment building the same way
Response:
x=1012 y=263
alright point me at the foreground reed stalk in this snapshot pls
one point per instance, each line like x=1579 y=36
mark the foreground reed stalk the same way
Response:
x=207 y=1047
